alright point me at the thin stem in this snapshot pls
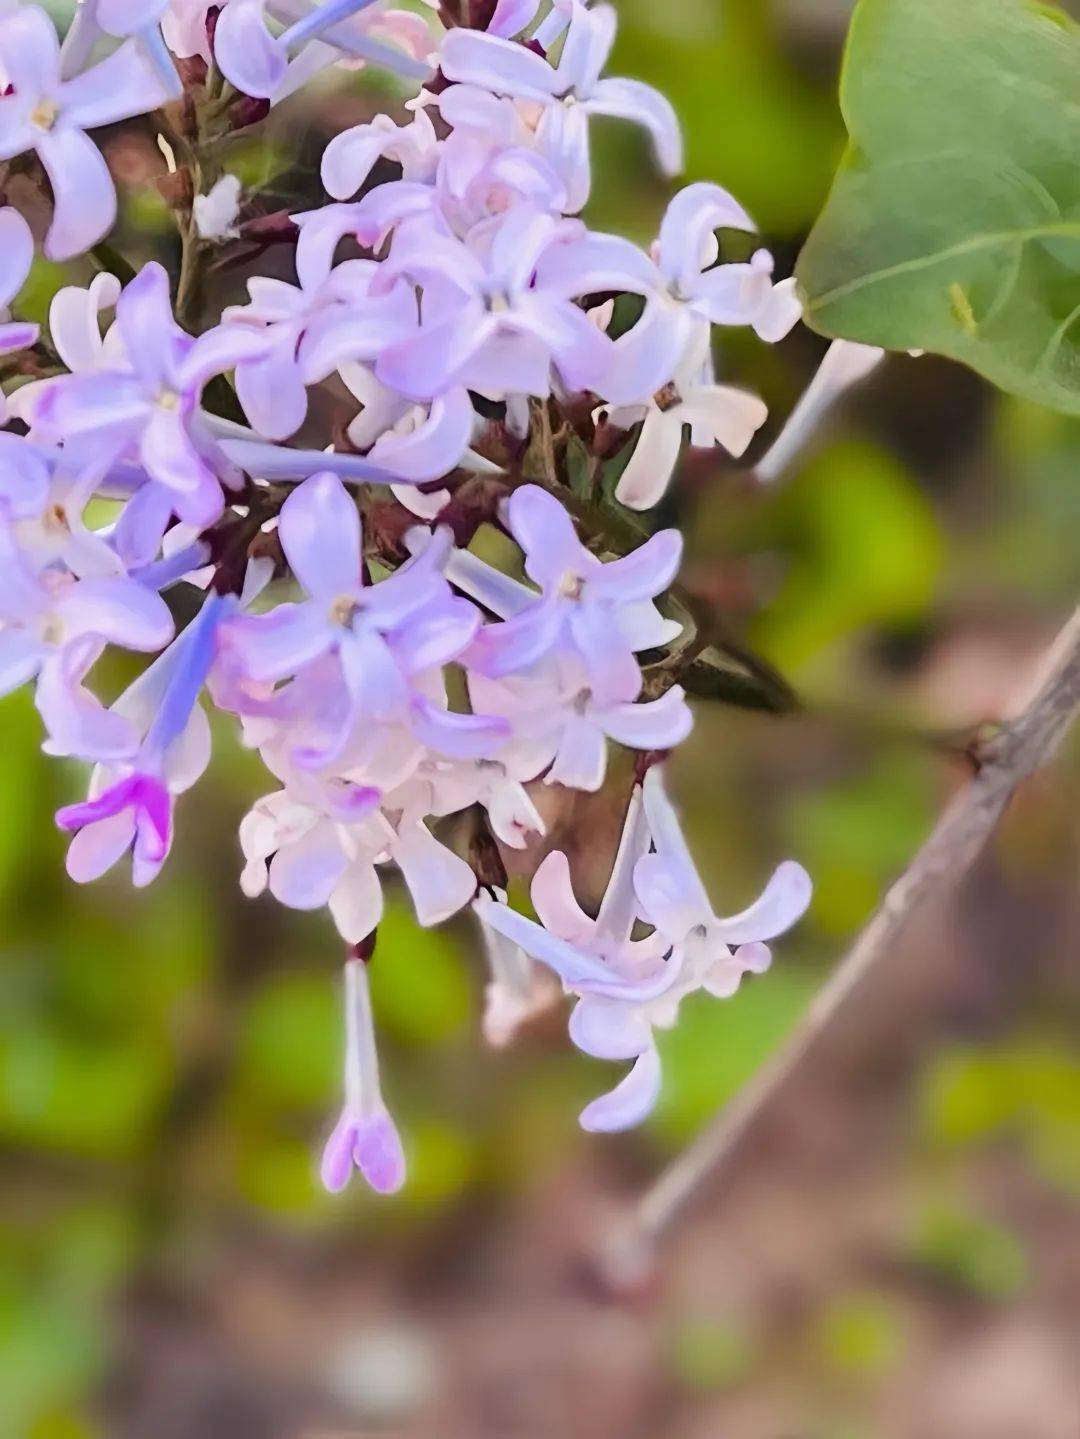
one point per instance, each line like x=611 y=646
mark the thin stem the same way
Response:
x=1014 y=752
x=189 y=284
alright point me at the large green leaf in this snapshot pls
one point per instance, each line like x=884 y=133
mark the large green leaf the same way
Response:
x=954 y=223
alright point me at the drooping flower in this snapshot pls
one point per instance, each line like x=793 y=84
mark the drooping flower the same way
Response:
x=365 y=1136
x=844 y=365
x=717 y=952
x=625 y=987
x=612 y=975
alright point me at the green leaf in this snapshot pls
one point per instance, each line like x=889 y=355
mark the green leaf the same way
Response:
x=954 y=222
x=714 y=674
x=969 y=1253
x=865 y=549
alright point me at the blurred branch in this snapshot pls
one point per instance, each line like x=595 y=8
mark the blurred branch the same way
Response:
x=1005 y=758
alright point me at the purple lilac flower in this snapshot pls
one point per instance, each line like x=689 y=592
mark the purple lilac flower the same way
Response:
x=147 y=407
x=603 y=613
x=309 y=331
x=383 y=636
x=130 y=804
x=488 y=324
x=717 y=951
x=46 y=492
x=258 y=63
x=569 y=93
x=365 y=1135
x=16 y=257
x=480 y=284
x=613 y=975
x=44 y=112
x=55 y=627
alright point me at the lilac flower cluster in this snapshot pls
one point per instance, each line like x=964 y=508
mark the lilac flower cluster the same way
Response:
x=387 y=684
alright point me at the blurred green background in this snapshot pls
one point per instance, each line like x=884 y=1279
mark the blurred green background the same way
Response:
x=895 y=1253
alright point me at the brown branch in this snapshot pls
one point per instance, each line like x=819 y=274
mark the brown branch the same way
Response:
x=1005 y=759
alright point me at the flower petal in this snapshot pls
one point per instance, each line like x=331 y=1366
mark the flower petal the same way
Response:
x=356 y=902
x=272 y=393
x=303 y=874
x=609 y=1029
x=581 y=760
x=118 y=610
x=646 y=477
x=16 y=254
x=439 y=882
x=633 y=100
x=781 y=904
x=85 y=201
x=495 y=64
x=629 y=1102
x=553 y=898
x=378 y=1153
x=433 y=448
x=320 y=534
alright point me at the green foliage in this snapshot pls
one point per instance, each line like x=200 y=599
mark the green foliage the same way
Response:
x=752 y=119
x=969 y=1253
x=855 y=836
x=858 y=1335
x=865 y=549
x=708 y=1355
x=37 y=293
x=420 y=988
x=954 y=222
x=290 y=1045
x=1027 y=1088
x=56 y=1267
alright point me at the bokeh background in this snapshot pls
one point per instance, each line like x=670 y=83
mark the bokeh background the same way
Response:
x=894 y=1254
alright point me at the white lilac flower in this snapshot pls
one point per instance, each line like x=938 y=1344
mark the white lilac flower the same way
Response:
x=844 y=365
x=626 y=987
